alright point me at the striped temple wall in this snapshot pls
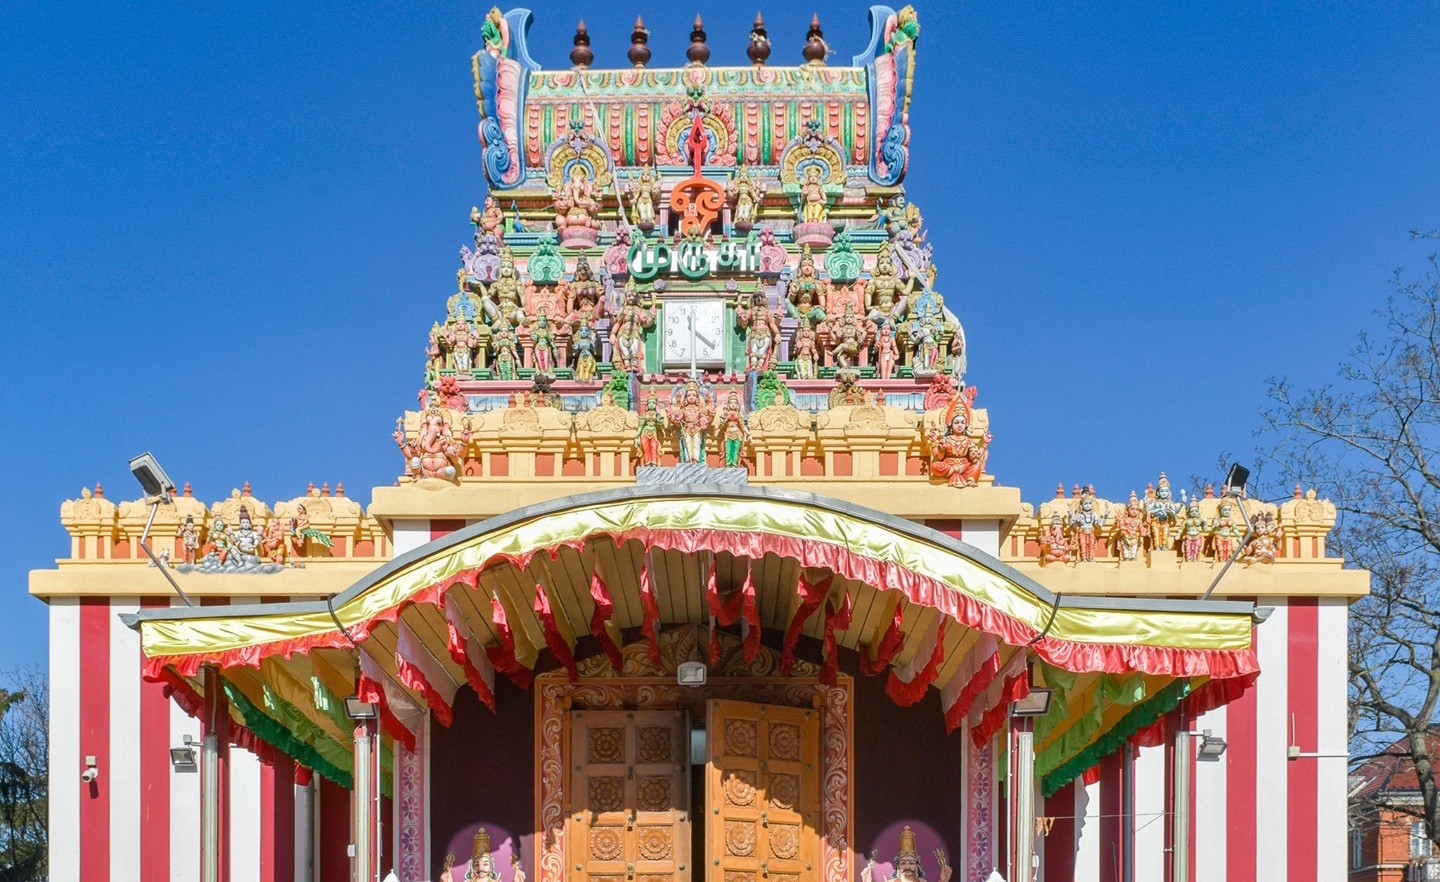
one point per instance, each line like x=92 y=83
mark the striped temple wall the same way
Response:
x=1257 y=816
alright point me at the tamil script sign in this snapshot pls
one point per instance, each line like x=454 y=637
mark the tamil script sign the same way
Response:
x=649 y=258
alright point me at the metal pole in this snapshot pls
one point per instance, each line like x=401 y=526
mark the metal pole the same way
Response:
x=305 y=832
x=1180 y=811
x=364 y=824
x=1023 y=774
x=160 y=565
x=378 y=811
x=210 y=781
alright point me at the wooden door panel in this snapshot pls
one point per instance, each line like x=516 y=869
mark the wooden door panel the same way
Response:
x=627 y=813
x=763 y=783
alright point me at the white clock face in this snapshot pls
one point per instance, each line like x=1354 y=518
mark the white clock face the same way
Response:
x=694 y=327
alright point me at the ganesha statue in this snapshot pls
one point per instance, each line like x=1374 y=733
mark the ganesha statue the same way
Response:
x=436 y=452
x=955 y=454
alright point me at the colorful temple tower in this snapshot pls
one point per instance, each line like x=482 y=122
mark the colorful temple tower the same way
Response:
x=696 y=570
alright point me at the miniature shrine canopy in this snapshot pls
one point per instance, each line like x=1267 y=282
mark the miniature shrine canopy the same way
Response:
x=926 y=610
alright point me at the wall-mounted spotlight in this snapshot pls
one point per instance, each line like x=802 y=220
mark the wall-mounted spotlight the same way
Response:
x=356 y=709
x=691 y=673
x=1211 y=747
x=1037 y=703
x=182 y=759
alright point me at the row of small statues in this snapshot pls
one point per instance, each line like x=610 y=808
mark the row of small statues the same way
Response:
x=837 y=325
x=1157 y=523
x=693 y=415
x=219 y=546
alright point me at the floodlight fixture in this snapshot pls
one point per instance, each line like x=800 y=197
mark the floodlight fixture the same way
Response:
x=1037 y=703
x=183 y=758
x=152 y=478
x=356 y=709
x=691 y=673
x=1236 y=480
x=158 y=488
x=1211 y=747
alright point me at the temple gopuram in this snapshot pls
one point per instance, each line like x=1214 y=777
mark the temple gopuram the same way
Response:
x=696 y=569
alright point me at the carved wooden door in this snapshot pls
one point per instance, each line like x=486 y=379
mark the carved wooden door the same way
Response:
x=628 y=799
x=763 y=790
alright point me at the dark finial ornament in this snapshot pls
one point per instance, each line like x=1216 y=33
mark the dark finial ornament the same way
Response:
x=759 y=48
x=698 y=53
x=815 y=48
x=581 y=56
x=639 y=52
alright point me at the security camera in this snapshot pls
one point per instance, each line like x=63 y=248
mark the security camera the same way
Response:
x=92 y=771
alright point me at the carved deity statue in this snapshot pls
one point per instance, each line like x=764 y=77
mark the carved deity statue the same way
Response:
x=954 y=454
x=1085 y=524
x=1055 y=546
x=1263 y=546
x=587 y=296
x=734 y=432
x=745 y=192
x=1162 y=514
x=885 y=290
x=542 y=342
x=436 y=452
x=648 y=434
x=760 y=328
x=691 y=412
x=583 y=344
x=301 y=534
x=1193 y=531
x=807 y=353
x=1225 y=533
x=272 y=542
x=804 y=294
x=907 y=862
x=189 y=540
x=923 y=333
x=644 y=193
x=461 y=340
x=1129 y=530
x=814 y=206
x=848 y=334
x=576 y=204
x=506 y=295
x=491 y=220
x=886 y=352
x=627 y=333
x=504 y=348
x=245 y=539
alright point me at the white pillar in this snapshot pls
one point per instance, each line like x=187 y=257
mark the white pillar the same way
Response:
x=361 y=807
x=1180 y=810
x=1023 y=793
x=305 y=832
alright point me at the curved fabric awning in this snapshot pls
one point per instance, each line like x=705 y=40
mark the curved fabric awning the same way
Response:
x=935 y=611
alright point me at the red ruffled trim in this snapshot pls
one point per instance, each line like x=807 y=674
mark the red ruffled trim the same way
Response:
x=1016 y=687
x=1091 y=775
x=303 y=775
x=955 y=715
x=811 y=553
x=907 y=693
x=652 y=614
x=1152 y=735
x=811 y=596
x=1214 y=693
x=455 y=642
x=888 y=647
x=750 y=615
x=604 y=609
x=502 y=654
x=553 y=639
x=835 y=620
x=412 y=676
x=369 y=691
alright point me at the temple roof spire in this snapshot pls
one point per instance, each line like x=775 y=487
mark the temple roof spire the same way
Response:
x=698 y=53
x=639 y=52
x=815 y=47
x=759 y=48
x=582 y=56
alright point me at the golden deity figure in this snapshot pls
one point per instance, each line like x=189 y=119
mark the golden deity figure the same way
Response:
x=745 y=191
x=814 y=205
x=506 y=295
x=806 y=354
x=1129 y=530
x=954 y=454
x=848 y=334
x=885 y=290
x=907 y=862
x=644 y=193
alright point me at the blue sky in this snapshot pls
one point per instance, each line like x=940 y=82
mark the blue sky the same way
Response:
x=225 y=229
